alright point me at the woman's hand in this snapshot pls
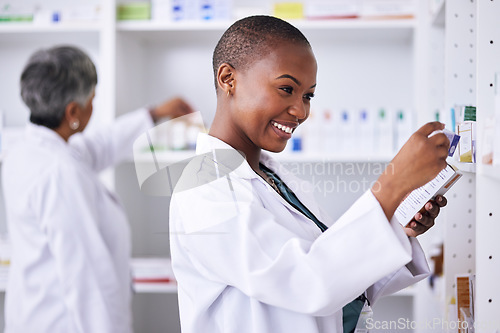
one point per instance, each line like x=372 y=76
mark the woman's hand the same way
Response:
x=418 y=162
x=424 y=219
x=421 y=158
x=172 y=108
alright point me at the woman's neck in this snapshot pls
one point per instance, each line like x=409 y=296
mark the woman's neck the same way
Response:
x=239 y=142
x=63 y=132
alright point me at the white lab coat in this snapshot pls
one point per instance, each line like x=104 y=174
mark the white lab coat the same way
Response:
x=70 y=237
x=248 y=262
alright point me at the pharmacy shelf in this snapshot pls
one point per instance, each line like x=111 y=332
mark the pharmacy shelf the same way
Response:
x=164 y=288
x=150 y=26
x=151 y=288
x=408 y=291
x=164 y=157
x=331 y=157
x=492 y=171
x=161 y=288
x=168 y=157
x=464 y=167
x=23 y=27
x=438 y=17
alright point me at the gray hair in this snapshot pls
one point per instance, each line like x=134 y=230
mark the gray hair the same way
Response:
x=52 y=79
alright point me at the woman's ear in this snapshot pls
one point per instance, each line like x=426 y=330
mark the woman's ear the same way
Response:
x=72 y=114
x=226 y=79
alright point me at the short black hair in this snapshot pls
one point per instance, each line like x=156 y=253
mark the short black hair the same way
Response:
x=250 y=39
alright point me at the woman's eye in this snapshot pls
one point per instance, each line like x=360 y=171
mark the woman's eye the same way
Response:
x=288 y=90
x=309 y=96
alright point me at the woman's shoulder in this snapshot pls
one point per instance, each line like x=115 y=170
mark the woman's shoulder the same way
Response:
x=39 y=164
x=212 y=172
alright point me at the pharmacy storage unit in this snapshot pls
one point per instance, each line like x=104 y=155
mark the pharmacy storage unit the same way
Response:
x=488 y=176
x=392 y=64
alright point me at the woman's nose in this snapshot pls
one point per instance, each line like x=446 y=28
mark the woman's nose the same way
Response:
x=299 y=110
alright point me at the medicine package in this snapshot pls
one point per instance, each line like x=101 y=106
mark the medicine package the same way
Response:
x=416 y=200
x=452 y=137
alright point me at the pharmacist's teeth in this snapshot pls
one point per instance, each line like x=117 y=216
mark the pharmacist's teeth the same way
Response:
x=284 y=128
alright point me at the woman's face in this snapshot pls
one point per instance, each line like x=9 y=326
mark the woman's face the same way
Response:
x=272 y=97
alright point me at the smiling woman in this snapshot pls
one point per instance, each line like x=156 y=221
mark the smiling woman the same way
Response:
x=257 y=256
x=263 y=93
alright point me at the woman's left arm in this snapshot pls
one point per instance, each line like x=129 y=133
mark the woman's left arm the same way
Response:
x=106 y=146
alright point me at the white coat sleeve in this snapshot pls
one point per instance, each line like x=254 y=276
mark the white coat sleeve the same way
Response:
x=109 y=145
x=232 y=239
x=411 y=273
x=67 y=211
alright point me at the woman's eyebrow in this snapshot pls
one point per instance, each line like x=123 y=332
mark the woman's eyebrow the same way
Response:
x=288 y=76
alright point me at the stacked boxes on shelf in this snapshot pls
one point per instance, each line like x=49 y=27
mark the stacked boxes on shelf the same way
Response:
x=182 y=10
x=344 y=9
x=466 y=128
x=152 y=273
x=175 y=10
x=49 y=11
x=363 y=131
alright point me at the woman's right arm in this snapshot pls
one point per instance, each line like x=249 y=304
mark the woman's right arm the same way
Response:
x=418 y=162
x=108 y=145
x=232 y=239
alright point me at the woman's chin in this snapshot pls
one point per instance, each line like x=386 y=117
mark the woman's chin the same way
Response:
x=275 y=149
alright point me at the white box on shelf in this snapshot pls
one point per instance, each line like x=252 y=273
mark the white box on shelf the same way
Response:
x=80 y=13
x=383 y=132
x=311 y=137
x=331 y=9
x=161 y=10
x=326 y=131
x=387 y=8
x=152 y=272
x=365 y=126
x=466 y=146
x=345 y=136
x=403 y=127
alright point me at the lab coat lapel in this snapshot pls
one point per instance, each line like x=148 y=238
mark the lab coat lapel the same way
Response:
x=303 y=191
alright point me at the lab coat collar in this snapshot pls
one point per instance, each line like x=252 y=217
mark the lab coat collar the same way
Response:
x=44 y=136
x=206 y=143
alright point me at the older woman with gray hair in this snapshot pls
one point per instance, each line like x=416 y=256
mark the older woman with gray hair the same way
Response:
x=70 y=237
